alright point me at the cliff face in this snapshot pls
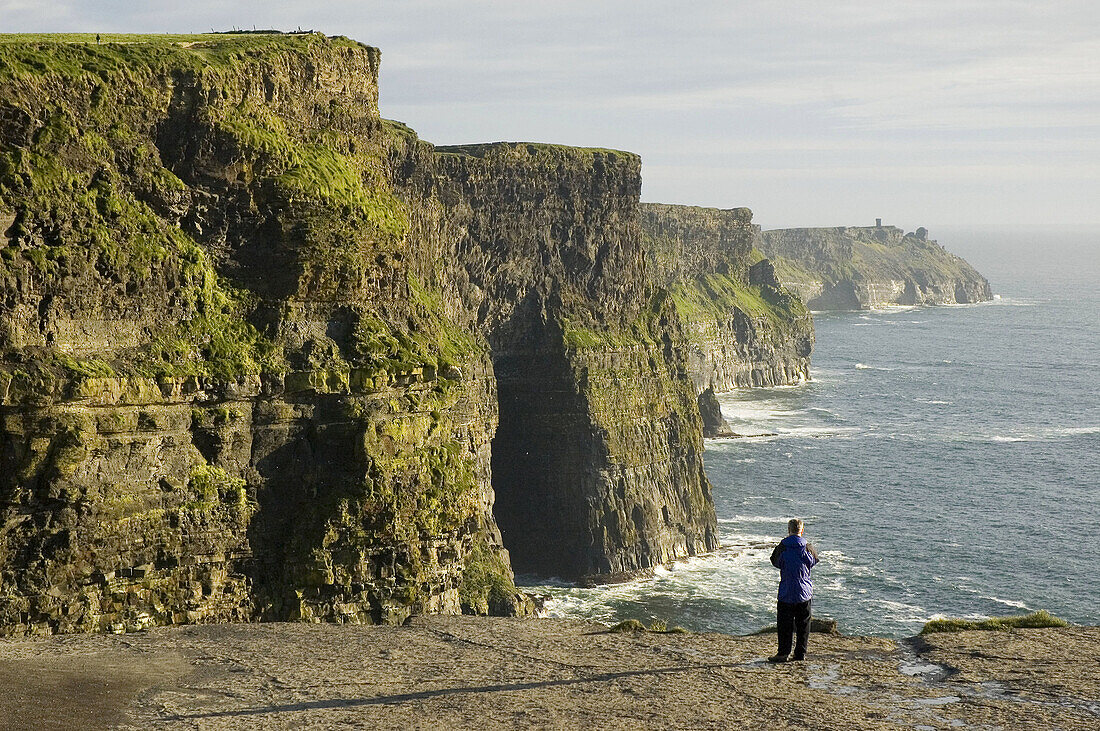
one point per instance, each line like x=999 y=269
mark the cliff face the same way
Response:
x=225 y=392
x=255 y=344
x=597 y=461
x=851 y=268
x=744 y=328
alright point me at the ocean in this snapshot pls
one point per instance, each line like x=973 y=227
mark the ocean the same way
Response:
x=945 y=460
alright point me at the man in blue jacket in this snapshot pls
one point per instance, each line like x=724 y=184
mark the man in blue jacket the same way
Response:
x=794 y=558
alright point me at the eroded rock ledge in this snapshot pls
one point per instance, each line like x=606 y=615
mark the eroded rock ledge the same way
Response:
x=459 y=672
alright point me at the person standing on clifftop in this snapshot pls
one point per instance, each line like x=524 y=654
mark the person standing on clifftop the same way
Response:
x=794 y=558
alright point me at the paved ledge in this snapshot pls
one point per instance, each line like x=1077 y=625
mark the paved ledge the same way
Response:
x=455 y=672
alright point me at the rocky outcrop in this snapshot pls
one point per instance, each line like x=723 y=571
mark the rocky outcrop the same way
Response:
x=255 y=345
x=852 y=268
x=744 y=328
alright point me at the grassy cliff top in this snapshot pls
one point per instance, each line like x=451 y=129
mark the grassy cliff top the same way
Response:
x=78 y=54
x=854 y=230
x=486 y=149
x=688 y=211
x=861 y=252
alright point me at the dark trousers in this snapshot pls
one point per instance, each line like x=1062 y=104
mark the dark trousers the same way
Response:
x=793 y=618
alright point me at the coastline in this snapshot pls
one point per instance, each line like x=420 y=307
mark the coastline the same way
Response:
x=504 y=673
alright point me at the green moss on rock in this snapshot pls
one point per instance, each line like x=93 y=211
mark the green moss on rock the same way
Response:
x=487 y=585
x=717 y=295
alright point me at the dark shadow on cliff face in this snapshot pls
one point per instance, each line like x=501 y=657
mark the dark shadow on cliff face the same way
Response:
x=595 y=462
x=314 y=483
x=539 y=456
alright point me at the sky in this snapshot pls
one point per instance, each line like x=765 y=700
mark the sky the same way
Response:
x=919 y=112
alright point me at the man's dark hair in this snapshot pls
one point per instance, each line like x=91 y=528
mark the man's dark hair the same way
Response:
x=794 y=526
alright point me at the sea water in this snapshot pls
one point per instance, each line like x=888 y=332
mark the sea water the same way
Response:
x=945 y=460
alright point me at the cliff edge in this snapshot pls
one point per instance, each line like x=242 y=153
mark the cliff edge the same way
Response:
x=466 y=672
x=853 y=268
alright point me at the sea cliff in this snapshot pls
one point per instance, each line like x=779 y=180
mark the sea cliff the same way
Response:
x=744 y=327
x=597 y=462
x=226 y=394
x=853 y=268
x=264 y=355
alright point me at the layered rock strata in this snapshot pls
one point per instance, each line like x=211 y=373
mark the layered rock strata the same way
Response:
x=256 y=344
x=226 y=395
x=596 y=464
x=744 y=328
x=853 y=268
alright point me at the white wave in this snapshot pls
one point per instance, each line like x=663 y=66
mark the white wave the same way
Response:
x=726 y=446
x=1072 y=430
x=934 y=402
x=755 y=410
x=893 y=309
x=785 y=386
x=741 y=541
x=818 y=431
x=753 y=519
x=1015 y=302
x=1037 y=435
x=865 y=367
x=1008 y=602
x=552 y=582
x=900 y=610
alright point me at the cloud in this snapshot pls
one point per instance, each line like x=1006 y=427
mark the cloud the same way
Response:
x=760 y=90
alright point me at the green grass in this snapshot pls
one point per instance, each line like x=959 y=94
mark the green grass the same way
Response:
x=716 y=295
x=1041 y=618
x=581 y=334
x=80 y=192
x=318 y=173
x=543 y=150
x=578 y=337
x=857 y=254
x=399 y=130
x=789 y=270
x=126 y=37
x=78 y=54
x=428 y=338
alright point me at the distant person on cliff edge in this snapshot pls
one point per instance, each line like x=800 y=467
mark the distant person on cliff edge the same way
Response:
x=794 y=558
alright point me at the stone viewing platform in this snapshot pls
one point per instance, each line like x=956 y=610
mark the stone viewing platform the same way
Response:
x=467 y=672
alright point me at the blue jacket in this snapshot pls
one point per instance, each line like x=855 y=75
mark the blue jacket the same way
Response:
x=794 y=558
